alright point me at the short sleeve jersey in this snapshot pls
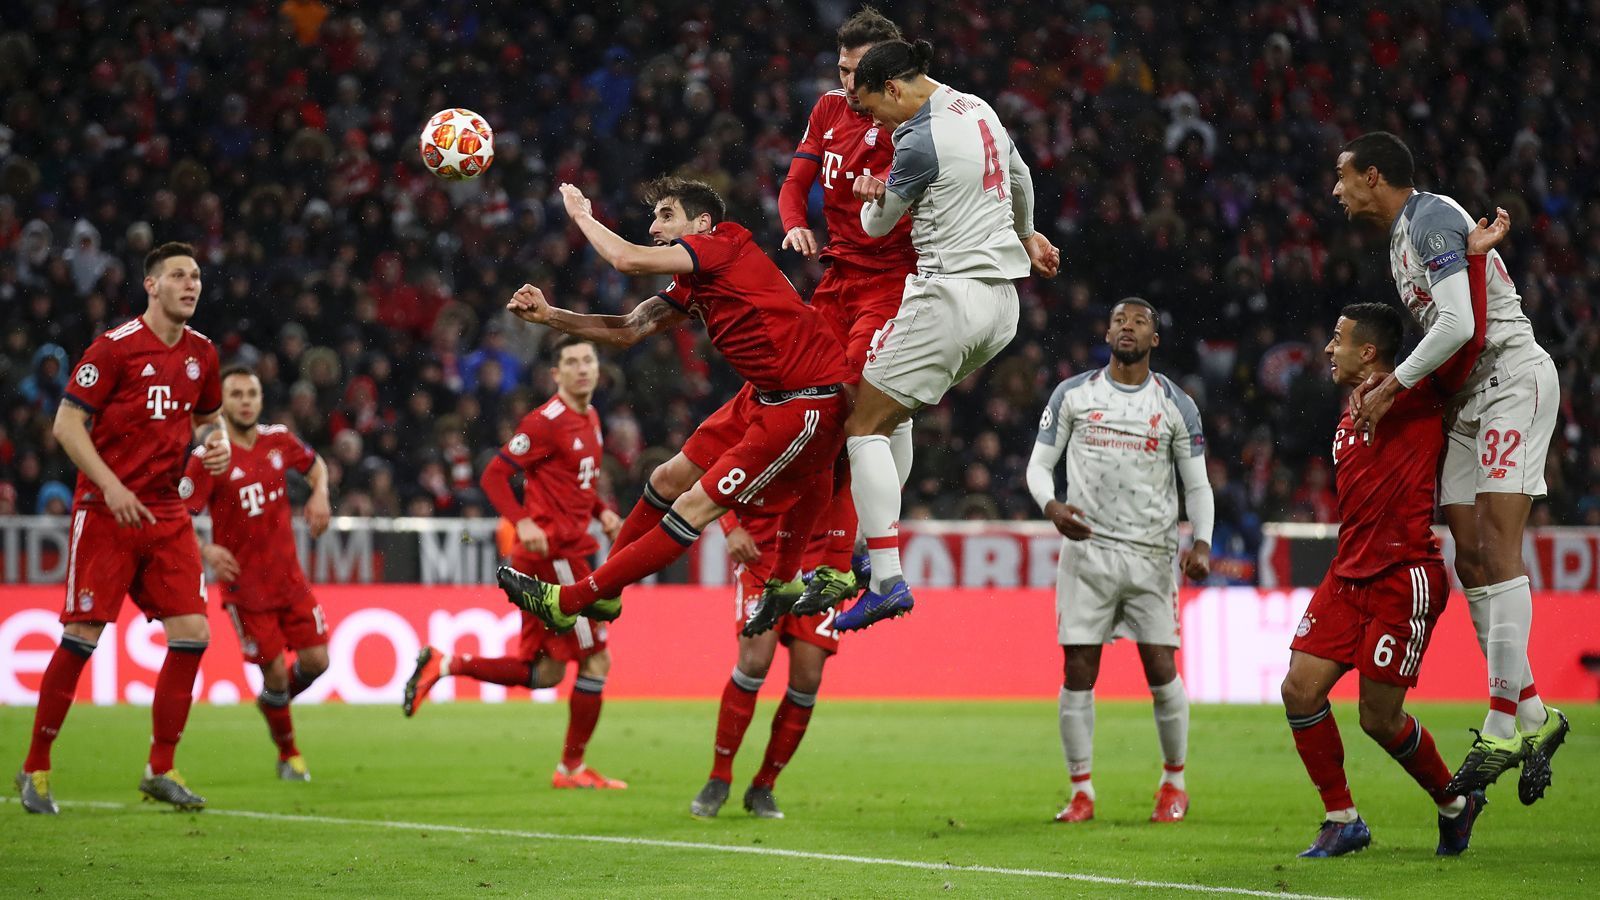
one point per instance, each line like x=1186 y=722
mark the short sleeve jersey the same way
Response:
x=140 y=395
x=771 y=337
x=251 y=516
x=1427 y=244
x=952 y=161
x=559 y=452
x=846 y=143
x=1385 y=487
x=1122 y=443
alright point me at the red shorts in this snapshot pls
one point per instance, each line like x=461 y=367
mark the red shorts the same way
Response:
x=158 y=565
x=857 y=302
x=265 y=633
x=583 y=641
x=1380 y=625
x=765 y=456
x=816 y=630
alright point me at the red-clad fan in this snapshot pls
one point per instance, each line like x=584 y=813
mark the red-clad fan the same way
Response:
x=866 y=276
x=141 y=393
x=773 y=444
x=252 y=552
x=752 y=539
x=557 y=450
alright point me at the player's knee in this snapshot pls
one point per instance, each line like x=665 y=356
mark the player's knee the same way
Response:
x=84 y=632
x=547 y=673
x=596 y=665
x=311 y=665
x=1300 y=696
x=188 y=629
x=1379 y=721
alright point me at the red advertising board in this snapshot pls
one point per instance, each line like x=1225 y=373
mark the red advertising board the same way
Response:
x=679 y=642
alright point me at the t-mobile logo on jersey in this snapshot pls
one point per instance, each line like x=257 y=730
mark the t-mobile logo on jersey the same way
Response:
x=586 y=472
x=831 y=164
x=158 y=399
x=253 y=497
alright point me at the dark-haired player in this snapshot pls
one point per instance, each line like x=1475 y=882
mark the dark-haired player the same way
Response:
x=1375 y=610
x=970 y=198
x=557 y=448
x=772 y=447
x=139 y=395
x=865 y=276
x=252 y=552
x=1495 y=458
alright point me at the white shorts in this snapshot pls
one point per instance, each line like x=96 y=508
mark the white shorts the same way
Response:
x=1501 y=435
x=1104 y=592
x=946 y=329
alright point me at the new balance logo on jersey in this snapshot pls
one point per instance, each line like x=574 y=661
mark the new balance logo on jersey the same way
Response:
x=148 y=371
x=158 y=399
x=252 y=497
x=1497 y=473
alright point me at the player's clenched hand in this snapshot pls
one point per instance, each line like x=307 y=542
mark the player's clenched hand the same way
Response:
x=529 y=305
x=610 y=523
x=219 y=452
x=868 y=188
x=532 y=537
x=1372 y=400
x=1487 y=236
x=1069 y=520
x=742 y=548
x=801 y=240
x=1197 y=562
x=222 y=563
x=1044 y=256
x=126 y=508
x=318 y=513
x=577 y=204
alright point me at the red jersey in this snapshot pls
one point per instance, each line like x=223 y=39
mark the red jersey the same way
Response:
x=250 y=515
x=771 y=337
x=558 y=451
x=1386 y=486
x=140 y=394
x=844 y=144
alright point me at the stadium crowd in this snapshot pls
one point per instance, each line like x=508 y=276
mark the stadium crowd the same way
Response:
x=1185 y=155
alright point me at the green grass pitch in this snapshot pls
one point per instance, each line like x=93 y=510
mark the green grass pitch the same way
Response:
x=465 y=791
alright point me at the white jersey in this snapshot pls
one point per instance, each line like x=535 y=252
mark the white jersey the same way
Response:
x=1428 y=243
x=971 y=195
x=1122 y=444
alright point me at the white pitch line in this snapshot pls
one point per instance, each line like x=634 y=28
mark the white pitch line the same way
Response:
x=728 y=848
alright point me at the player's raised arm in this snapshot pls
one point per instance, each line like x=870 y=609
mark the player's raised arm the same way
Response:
x=623 y=255
x=651 y=317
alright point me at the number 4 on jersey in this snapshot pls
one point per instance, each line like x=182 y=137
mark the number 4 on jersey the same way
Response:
x=994 y=175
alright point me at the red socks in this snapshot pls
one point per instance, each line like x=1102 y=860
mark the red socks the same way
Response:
x=1317 y=738
x=583 y=715
x=1414 y=750
x=506 y=670
x=788 y=727
x=274 y=707
x=653 y=551
x=841 y=520
x=733 y=719
x=645 y=515
x=170 y=711
x=55 y=698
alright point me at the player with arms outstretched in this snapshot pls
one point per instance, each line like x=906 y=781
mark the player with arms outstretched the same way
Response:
x=1123 y=429
x=970 y=196
x=810 y=639
x=252 y=551
x=1375 y=610
x=866 y=276
x=1494 y=461
x=771 y=447
x=139 y=395
x=557 y=448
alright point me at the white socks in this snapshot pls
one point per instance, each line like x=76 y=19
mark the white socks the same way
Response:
x=1172 y=727
x=901 y=446
x=1077 y=737
x=875 y=487
x=1510 y=607
x=1531 y=714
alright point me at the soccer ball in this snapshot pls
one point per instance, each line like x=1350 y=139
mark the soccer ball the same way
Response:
x=457 y=144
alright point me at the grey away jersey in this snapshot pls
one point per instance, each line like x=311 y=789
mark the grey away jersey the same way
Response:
x=954 y=162
x=1427 y=243
x=1121 y=445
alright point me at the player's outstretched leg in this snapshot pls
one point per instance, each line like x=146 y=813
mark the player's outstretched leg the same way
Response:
x=775 y=602
x=423 y=678
x=827 y=588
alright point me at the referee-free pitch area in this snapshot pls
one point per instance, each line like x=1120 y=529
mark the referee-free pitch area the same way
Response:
x=883 y=799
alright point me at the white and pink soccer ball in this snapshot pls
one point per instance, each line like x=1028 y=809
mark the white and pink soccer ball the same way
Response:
x=457 y=144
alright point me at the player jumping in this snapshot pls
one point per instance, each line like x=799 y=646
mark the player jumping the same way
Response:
x=770 y=446
x=141 y=393
x=557 y=449
x=1123 y=430
x=253 y=553
x=1495 y=459
x=971 y=202
x=1376 y=608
